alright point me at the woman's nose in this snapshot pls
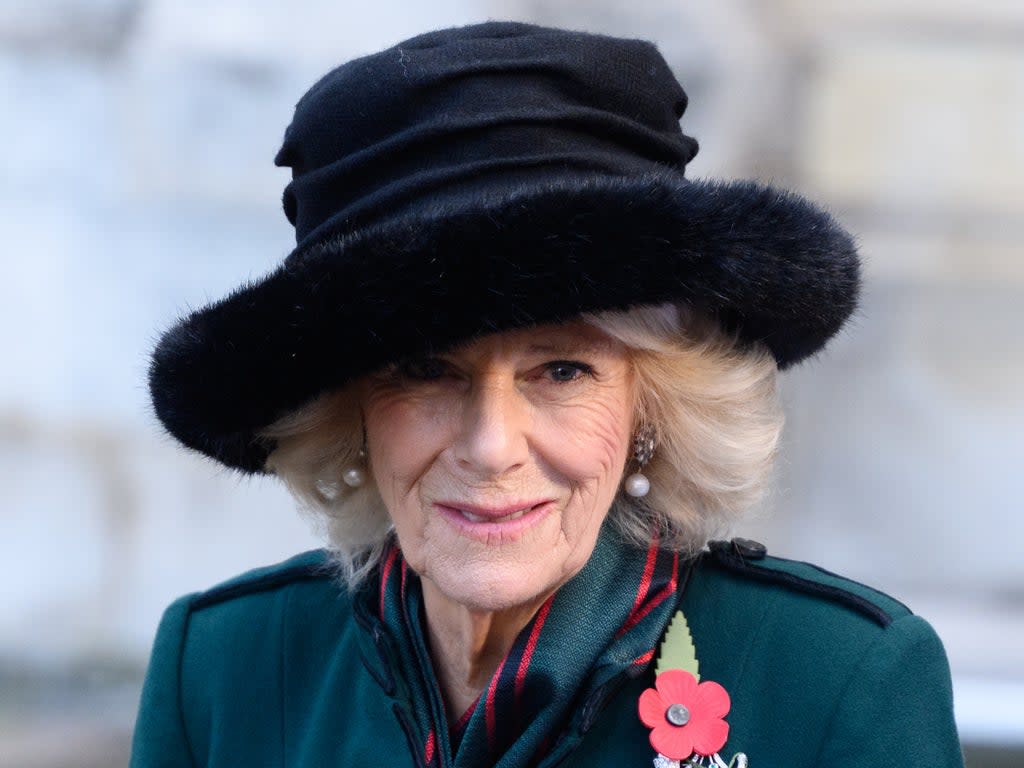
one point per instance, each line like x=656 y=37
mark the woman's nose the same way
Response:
x=492 y=441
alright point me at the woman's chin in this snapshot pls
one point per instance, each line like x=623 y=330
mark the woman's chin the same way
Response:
x=494 y=592
x=504 y=572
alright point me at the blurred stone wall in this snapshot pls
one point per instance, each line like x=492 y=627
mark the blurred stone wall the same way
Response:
x=138 y=182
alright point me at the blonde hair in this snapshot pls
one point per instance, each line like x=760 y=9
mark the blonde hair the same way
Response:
x=713 y=404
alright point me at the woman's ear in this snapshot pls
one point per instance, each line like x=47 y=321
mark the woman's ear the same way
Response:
x=641 y=411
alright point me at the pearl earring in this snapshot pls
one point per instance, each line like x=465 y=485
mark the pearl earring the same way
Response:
x=355 y=476
x=638 y=485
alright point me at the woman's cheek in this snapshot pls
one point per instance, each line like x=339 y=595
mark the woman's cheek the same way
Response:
x=591 y=445
x=402 y=430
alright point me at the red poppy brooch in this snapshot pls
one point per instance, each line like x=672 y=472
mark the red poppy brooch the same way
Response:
x=686 y=717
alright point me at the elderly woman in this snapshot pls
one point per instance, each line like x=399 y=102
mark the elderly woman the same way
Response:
x=523 y=371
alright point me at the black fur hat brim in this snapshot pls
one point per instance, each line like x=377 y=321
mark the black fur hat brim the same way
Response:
x=771 y=266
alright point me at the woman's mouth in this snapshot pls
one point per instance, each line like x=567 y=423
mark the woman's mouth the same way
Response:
x=493 y=524
x=474 y=518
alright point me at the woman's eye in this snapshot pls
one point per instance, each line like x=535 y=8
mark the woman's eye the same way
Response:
x=565 y=371
x=423 y=369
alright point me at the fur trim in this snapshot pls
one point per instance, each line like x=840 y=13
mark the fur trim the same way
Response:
x=769 y=264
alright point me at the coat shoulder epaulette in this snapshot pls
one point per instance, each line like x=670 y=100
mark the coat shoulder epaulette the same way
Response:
x=314 y=565
x=750 y=559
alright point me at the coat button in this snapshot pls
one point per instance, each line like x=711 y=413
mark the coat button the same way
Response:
x=750 y=549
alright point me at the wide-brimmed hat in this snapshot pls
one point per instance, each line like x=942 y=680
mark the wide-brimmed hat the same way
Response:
x=483 y=178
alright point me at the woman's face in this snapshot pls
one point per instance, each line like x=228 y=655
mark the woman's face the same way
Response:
x=498 y=461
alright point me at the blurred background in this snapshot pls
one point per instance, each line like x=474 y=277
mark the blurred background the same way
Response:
x=137 y=140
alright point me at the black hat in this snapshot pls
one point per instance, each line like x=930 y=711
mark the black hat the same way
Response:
x=484 y=178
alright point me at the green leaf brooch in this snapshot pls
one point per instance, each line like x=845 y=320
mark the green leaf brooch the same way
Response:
x=686 y=717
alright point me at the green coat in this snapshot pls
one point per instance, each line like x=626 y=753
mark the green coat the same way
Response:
x=270 y=669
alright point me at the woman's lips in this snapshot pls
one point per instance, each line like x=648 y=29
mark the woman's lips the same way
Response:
x=493 y=524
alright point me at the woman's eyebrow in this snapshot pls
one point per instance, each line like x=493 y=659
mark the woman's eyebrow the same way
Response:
x=574 y=347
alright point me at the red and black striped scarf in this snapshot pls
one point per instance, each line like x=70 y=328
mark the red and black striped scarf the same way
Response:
x=602 y=625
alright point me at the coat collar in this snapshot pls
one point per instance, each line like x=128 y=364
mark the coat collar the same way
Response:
x=597 y=632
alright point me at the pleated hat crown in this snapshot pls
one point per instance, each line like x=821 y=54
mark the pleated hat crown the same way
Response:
x=458 y=112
